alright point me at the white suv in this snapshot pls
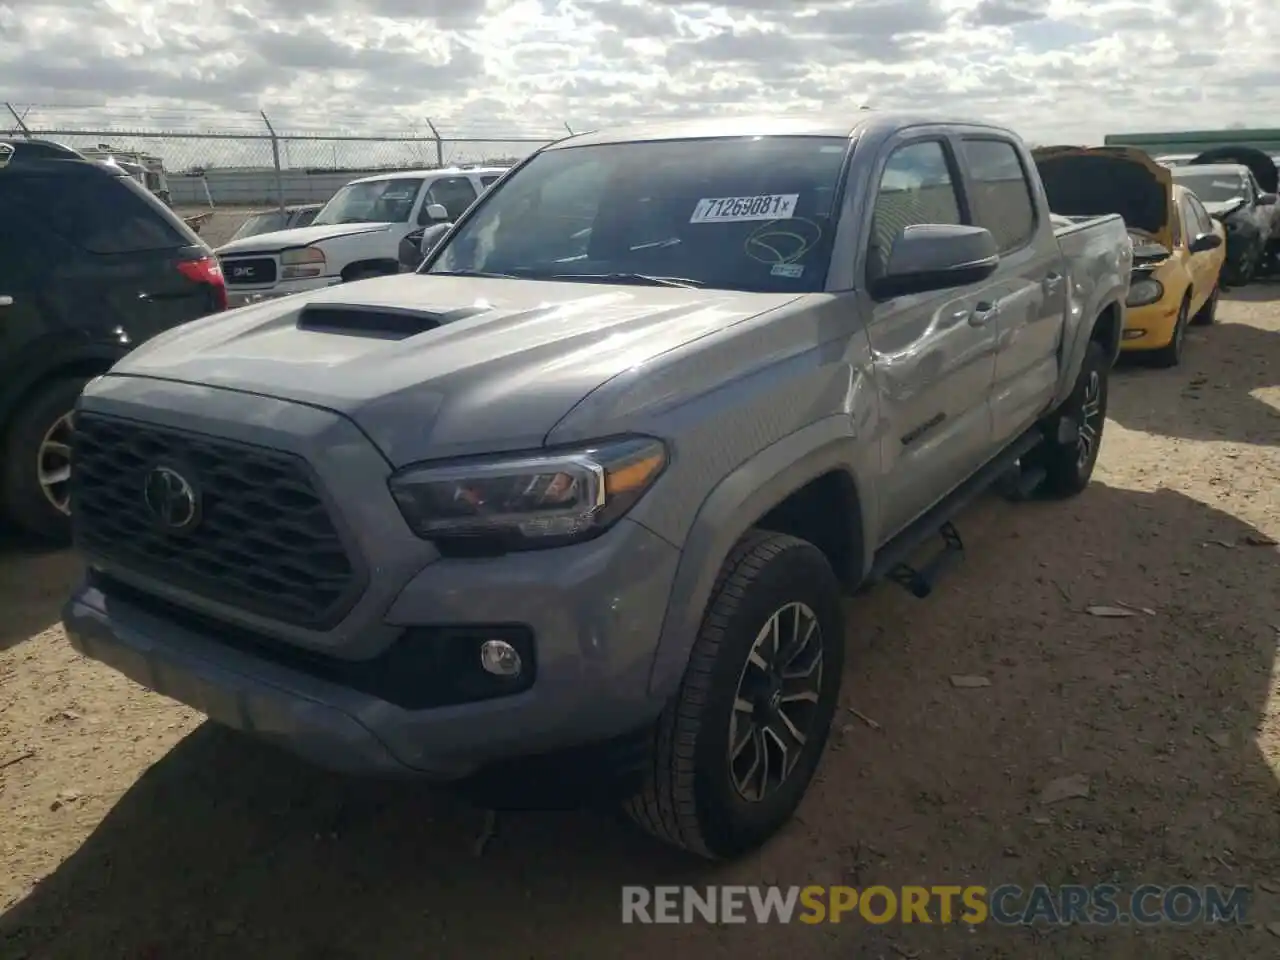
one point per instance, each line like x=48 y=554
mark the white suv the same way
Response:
x=356 y=235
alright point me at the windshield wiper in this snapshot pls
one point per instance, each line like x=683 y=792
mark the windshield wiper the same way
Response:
x=636 y=278
x=471 y=273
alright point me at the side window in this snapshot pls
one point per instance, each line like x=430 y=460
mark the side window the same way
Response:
x=305 y=217
x=26 y=250
x=103 y=215
x=1001 y=197
x=455 y=194
x=916 y=187
x=1186 y=212
x=488 y=180
x=1201 y=222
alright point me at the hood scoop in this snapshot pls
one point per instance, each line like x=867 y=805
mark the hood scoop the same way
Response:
x=379 y=323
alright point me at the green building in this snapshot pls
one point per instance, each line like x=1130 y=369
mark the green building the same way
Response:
x=1196 y=141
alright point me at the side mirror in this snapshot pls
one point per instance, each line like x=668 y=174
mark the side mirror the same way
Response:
x=937 y=256
x=1205 y=242
x=432 y=236
x=432 y=213
x=1267 y=200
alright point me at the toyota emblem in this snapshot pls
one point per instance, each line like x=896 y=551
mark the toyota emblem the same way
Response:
x=171 y=498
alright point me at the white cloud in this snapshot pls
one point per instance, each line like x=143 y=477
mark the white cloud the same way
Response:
x=1060 y=70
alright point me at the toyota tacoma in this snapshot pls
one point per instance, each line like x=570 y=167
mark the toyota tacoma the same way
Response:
x=593 y=480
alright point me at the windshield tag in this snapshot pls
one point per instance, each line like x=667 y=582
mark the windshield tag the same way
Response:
x=793 y=270
x=776 y=206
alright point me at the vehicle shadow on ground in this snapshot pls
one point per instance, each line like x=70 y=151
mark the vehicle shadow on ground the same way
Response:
x=228 y=849
x=1210 y=396
x=34 y=581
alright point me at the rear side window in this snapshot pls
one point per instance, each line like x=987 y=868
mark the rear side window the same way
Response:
x=100 y=214
x=305 y=218
x=1000 y=195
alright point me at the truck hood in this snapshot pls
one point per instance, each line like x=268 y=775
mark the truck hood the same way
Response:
x=476 y=365
x=278 y=240
x=1093 y=181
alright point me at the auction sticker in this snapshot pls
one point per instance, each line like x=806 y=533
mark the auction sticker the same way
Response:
x=774 y=206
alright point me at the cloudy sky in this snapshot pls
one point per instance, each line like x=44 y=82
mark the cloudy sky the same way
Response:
x=1054 y=69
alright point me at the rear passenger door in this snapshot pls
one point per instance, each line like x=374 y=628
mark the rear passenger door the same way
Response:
x=934 y=353
x=1028 y=288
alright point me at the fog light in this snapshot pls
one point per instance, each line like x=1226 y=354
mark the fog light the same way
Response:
x=500 y=658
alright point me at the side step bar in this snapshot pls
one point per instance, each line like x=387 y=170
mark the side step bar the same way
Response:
x=891 y=560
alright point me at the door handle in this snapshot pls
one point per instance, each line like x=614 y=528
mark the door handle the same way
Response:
x=6 y=300
x=982 y=314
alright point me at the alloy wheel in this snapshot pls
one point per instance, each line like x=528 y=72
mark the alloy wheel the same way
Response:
x=1090 y=420
x=53 y=464
x=775 y=702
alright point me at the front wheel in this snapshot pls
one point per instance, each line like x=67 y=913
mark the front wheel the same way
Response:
x=1069 y=464
x=1170 y=355
x=734 y=752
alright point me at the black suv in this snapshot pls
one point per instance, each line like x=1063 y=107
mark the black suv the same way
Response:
x=91 y=265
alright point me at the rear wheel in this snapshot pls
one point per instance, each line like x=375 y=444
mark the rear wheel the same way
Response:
x=733 y=754
x=1069 y=464
x=36 y=472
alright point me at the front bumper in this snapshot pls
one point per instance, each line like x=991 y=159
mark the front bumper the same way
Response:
x=1150 y=327
x=594 y=610
x=241 y=296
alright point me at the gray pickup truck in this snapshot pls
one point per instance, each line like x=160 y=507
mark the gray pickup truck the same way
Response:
x=593 y=482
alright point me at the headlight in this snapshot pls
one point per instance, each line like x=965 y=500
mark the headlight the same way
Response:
x=521 y=503
x=1143 y=292
x=299 y=264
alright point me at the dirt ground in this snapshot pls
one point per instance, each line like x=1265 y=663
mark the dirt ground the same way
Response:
x=129 y=828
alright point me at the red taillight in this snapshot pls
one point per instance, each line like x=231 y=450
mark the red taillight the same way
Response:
x=207 y=271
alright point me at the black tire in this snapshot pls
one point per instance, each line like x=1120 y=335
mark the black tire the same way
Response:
x=1170 y=355
x=1207 y=315
x=1068 y=470
x=21 y=495
x=689 y=798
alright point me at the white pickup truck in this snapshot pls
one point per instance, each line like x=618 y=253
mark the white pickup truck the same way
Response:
x=357 y=234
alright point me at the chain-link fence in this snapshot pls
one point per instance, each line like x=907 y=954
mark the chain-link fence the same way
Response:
x=245 y=159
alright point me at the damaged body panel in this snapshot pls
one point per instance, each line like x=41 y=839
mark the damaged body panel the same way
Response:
x=1233 y=195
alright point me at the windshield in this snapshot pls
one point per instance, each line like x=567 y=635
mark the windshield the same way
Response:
x=753 y=213
x=258 y=223
x=1213 y=187
x=372 y=201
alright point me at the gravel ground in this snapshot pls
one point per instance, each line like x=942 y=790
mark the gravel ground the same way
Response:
x=131 y=829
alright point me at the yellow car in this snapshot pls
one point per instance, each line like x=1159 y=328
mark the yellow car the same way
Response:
x=1178 y=249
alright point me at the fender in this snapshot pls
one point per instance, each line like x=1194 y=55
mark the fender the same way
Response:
x=1073 y=350
x=51 y=358
x=737 y=502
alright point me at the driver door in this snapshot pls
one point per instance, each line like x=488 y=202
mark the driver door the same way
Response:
x=934 y=353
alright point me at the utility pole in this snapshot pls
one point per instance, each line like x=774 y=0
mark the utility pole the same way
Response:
x=275 y=161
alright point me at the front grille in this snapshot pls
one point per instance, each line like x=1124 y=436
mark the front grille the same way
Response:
x=262 y=539
x=256 y=270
